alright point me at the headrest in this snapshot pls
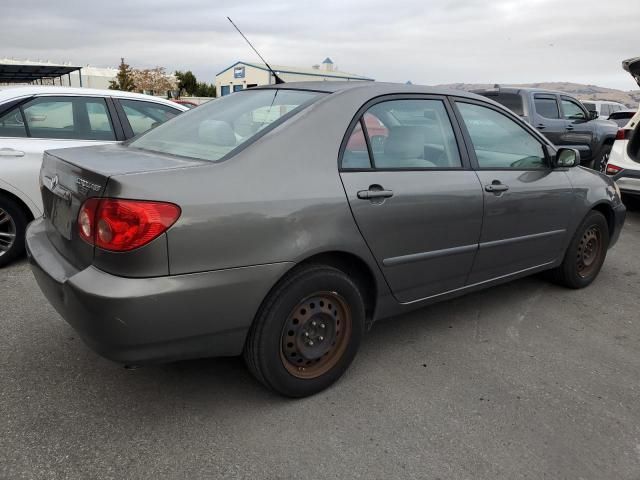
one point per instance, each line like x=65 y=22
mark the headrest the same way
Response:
x=405 y=142
x=217 y=132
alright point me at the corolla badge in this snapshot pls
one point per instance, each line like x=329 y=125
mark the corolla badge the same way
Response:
x=85 y=185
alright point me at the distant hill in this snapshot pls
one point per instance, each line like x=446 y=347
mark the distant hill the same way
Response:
x=630 y=98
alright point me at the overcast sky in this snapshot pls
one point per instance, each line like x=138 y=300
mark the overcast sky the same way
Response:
x=425 y=41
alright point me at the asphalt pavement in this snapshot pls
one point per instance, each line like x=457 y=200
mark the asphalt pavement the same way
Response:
x=526 y=380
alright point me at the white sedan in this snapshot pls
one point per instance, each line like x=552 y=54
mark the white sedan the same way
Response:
x=35 y=119
x=624 y=160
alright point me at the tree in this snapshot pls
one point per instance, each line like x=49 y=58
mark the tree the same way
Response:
x=205 y=90
x=186 y=82
x=124 y=78
x=153 y=80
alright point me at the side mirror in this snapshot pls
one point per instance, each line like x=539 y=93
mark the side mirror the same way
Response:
x=566 y=158
x=593 y=114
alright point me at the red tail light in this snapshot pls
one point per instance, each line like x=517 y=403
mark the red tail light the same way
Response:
x=612 y=169
x=122 y=225
x=623 y=134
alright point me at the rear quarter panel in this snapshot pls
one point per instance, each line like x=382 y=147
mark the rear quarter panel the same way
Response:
x=278 y=200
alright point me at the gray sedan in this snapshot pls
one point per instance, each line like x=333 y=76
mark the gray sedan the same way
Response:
x=280 y=222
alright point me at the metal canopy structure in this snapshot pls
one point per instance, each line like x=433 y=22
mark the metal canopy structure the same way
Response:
x=30 y=73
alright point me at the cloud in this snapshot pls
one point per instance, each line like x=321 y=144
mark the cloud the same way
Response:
x=427 y=41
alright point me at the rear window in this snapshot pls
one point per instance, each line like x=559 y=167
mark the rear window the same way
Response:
x=214 y=129
x=512 y=101
x=590 y=106
x=547 y=106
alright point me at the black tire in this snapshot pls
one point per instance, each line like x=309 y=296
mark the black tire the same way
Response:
x=275 y=344
x=13 y=222
x=601 y=163
x=586 y=253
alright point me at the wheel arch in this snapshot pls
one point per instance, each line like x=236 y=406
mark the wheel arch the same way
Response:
x=609 y=215
x=17 y=200
x=354 y=266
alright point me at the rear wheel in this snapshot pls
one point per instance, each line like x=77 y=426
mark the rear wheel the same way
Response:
x=601 y=164
x=13 y=223
x=307 y=332
x=586 y=253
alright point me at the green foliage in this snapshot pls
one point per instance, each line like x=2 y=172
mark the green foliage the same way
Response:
x=205 y=90
x=187 y=82
x=124 y=79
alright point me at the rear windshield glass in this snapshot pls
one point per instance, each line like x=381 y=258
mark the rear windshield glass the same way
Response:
x=589 y=106
x=512 y=101
x=212 y=130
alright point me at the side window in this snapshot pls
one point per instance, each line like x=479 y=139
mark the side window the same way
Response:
x=143 y=115
x=572 y=110
x=605 y=110
x=69 y=118
x=500 y=142
x=355 y=154
x=513 y=101
x=12 y=124
x=546 y=106
x=99 y=117
x=410 y=134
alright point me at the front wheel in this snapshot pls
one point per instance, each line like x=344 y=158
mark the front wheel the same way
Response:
x=307 y=332
x=586 y=253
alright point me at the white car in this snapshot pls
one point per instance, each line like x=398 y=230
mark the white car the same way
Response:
x=603 y=107
x=624 y=159
x=35 y=119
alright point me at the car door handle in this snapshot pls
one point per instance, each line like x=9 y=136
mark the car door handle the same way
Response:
x=496 y=187
x=370 y=194
x=541 y=126
x=569 y=127
x=10 y=152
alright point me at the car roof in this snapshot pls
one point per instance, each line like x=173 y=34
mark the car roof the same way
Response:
x=507 y=89
x=10 y=92
x=380 y=88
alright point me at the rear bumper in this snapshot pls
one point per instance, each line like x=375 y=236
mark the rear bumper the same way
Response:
x=144 y=320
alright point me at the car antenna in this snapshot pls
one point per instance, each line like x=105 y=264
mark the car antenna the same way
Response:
x=275 y=75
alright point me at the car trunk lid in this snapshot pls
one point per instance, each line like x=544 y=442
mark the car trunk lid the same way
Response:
x=632 y=65
x=70 y=176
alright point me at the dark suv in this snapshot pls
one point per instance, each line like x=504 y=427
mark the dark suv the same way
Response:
x=562 y=119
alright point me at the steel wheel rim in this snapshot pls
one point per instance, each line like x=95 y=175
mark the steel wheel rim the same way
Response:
x=589 y=251
x=7 y=232
x=316 y=335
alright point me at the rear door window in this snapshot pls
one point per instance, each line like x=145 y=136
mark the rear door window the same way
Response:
x=405 y=134
x=143 y=116
x=546 y=106
x=12 y=124
x=74 y=118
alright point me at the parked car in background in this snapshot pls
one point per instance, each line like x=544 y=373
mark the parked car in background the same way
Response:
x=604 y=108
x=186 y=103
x=259 y=225
x=622 y=117
x=34 y=119
x=561 y=118
x=624 y=162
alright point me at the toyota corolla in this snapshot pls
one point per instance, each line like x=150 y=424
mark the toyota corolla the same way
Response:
x=269 y=223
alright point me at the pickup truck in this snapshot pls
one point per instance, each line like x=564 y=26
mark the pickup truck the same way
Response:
x=562 y=119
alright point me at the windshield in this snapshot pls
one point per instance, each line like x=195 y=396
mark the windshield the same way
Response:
x=211 y=131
